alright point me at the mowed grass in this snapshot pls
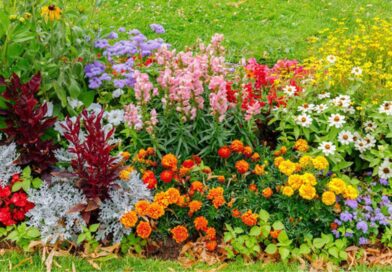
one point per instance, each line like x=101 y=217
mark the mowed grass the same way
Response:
x=267 y=30
x=26 y=262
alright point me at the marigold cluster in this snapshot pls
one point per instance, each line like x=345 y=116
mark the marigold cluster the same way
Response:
x=249 y=218
x=179 y=234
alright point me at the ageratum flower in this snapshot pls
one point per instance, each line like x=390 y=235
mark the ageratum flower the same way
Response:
x=157 y=28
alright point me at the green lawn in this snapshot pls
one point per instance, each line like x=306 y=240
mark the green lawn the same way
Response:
x=260 y=28
x=25 y=262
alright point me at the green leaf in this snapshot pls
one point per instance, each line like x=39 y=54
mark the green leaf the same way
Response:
x=264 y=215
x=227 y=236
x=26 y=172
x=333 y=251
x=343 y=255
x=238 y=230
x=265 y=230
x=17 y=186
x=284 y=253
x=304 y=249
x=81 y=238
x=37 y=183
x=318 y=243
x=278 y=225
x=283 y=237
x=255 y=231
x=94 y=227
x=33 y=232
x=271 y=249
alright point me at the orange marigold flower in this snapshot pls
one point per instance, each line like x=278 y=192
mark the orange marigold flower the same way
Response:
x=150 y=151
x=215 y=192
x=253 y=187
x=242 y=166
x=125 y=155
x=194 y=206
x=278 y=160
x=182 y=200
x=155 y=211
x=211 y=233
x=142 y=154
x=129 y=219
x=167 y=176
x=275 y=233
x=169 y=161
x=143 y=230
x=224 y=152
x=247 y=151
x=180 y=234
x=162 y=198
x=301 y=145
x=124 y=175
x=218 y=201
x=141 y=207
x=249 y=218
x=231 y=202
x=277 y=153
x=184 y=171
x=255 y=157
x=207 y=170
x=173 y=195
x=201 y=223
x=197 y=186
x=259 y=170
x=211 y=245
x=149 y=179
x=267 y=192
x=236 y=213
x=237 y=146
x=283 y=150
x=221 y=179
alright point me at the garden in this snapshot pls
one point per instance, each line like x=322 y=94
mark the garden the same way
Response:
x=195 y=135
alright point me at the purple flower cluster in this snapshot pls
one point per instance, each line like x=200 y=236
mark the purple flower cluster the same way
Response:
x=361 y=218
x=157 y=28
x=120 y=57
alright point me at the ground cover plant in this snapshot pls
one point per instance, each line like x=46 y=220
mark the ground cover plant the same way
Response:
x=123 y=141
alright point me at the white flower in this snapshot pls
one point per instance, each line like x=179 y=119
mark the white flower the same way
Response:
x=115 y=117
x=336 y=120
x=328 y=148
x=331 y=59
x=49 y=112
x=386 y=107
x=370 y=141
x=289 y=90
x=343 y=101
x=356 y=137
x=385 y=170
x=324 y=95
x=320 y=108
x=306 y=107
x=74 y=103
x=345 y=137
x=117 y=93
x=356 y=71
x=349 y=109
x=304 y=120
x=361 y=145
x=370 y=126
x=95 y=108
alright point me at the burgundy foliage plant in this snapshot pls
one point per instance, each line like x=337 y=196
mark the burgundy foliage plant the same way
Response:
x=27 y=123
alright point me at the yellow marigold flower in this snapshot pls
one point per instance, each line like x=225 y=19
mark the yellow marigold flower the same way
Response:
x=305 y=161
x=320 y=163
x=287 y=167
x=328 y=198
x=337 y=185
x=51 y=12
x=141 y=207
x=255 y=157
x=129 y=219
x=259 y=170
x=298 y=167
x=169 y=161
x=155 y=210
x=173 y=195
x=307 y=191
x=301 y=145
x=162 y=198
x=124 y=175
x=295 y=181
x=278 y=160
x=309 y=178
x=287 y=191
x=350 y=192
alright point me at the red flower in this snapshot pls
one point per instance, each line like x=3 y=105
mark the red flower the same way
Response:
x=15 y=178
x=149 y=179
x=5 y=192
x=19 y=199
x=5 y=217
x=224 y=152
x=188 y=163
x=196 y=159
x=167 y=176
x=18 y=215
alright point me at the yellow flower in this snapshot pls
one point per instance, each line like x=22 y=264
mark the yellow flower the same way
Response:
x=295 y=181
x=287 y=191
x=124 y=175
x=350 y=192
x=328 y=198
x=307 y=191
x=320 y=163
x=129 y=219
x=301 y=145
x=309 y=178
x=278 y=160
x=337 y=185
x=305 y=161
x=287 y=167
x=51 y=12
x=259 y=170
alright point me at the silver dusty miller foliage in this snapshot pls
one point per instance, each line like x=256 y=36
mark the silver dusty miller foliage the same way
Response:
x=8 y=155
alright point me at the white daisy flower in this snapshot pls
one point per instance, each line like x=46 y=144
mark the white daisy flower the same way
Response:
x=304 y=120
x=349 y=110
x=370 y=141
x=386 y=107
x=324 y=95
x=290 y=90
x=74 y=103
x=320 y=108
x=361 y=145
x=385 y=170
x=95 y=108
x=331 y=59
x=356 y=71
x=356 y=137
x=343 y=101
x=370 y=126
x=306 y=107
x=117 y=93
x=345 y=137
x=328 y=148
x=336 y=120
x=115 y=117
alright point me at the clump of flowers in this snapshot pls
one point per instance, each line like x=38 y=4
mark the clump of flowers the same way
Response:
x=27 y=123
